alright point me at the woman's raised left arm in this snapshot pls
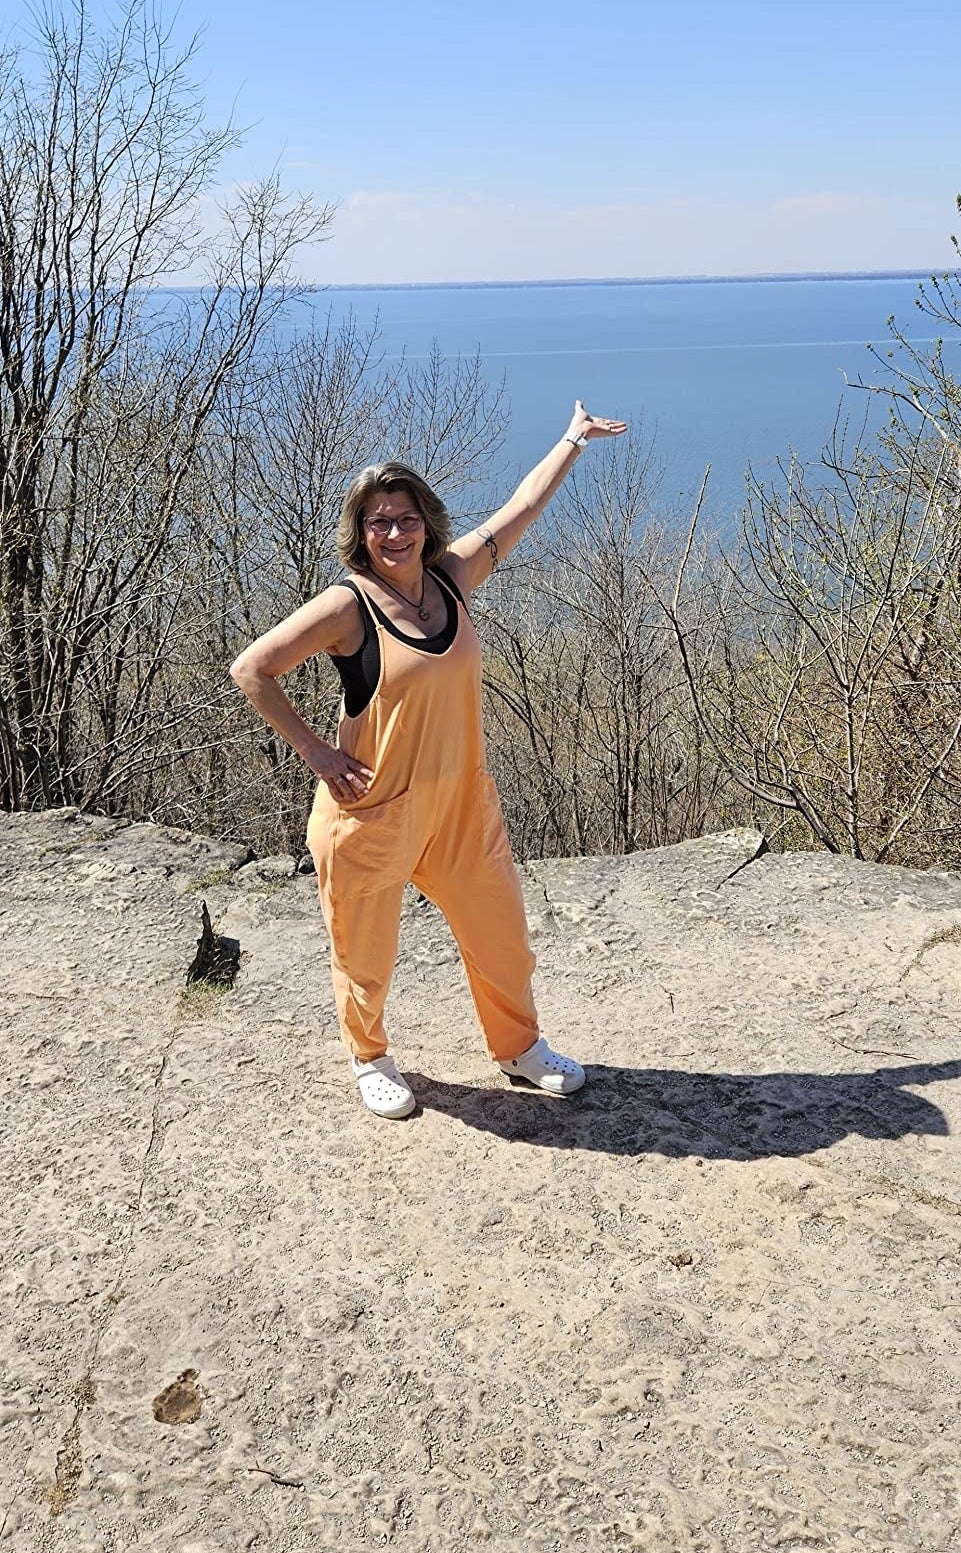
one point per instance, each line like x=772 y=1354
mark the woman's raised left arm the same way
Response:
x=471 y=558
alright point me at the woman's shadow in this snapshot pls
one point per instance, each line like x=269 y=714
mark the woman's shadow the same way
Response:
x=739 y=1116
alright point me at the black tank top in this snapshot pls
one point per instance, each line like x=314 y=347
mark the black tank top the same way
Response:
x=359 y=671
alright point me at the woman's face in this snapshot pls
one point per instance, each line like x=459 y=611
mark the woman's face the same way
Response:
x=395 y=550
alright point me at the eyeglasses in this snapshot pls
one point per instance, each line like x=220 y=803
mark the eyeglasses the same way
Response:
x=382 y=526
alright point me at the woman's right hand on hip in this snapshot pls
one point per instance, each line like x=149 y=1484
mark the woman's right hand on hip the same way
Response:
x=347 y=779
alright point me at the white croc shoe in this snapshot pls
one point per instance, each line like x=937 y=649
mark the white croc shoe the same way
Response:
x=545 y=1068
x=383 y=1089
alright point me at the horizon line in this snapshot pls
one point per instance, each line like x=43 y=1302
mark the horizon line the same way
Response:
x=934 y=273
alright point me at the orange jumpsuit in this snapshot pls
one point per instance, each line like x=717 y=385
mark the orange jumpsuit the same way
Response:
x=432 y=816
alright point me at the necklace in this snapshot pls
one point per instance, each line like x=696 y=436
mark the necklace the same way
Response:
x=422 y=613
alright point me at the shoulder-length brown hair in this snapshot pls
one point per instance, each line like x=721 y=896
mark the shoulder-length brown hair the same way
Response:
x=390 y=477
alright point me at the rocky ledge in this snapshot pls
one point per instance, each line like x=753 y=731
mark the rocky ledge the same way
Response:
x=711 y=1303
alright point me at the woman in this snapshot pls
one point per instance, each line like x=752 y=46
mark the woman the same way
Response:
x=404 y=794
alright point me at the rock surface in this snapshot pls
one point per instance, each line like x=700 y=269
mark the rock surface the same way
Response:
x=710 y=1304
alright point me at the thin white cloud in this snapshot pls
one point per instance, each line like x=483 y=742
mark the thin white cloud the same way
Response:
x=828 y=203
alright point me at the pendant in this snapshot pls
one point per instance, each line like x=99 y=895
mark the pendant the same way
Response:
x=423 y=614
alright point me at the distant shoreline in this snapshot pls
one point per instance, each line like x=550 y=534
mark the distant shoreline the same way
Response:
x=633 y=280
x=613 y=280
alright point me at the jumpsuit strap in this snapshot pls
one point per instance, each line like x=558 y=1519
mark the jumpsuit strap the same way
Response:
x=361 y=596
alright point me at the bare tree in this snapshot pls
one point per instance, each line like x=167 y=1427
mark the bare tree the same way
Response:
x=592 y=737
x=919 y=382
x=106 y=386
x=823 y=659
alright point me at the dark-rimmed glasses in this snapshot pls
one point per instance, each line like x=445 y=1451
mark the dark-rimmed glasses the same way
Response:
x=405 y=525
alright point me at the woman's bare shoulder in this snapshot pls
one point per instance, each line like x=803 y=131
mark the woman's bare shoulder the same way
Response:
x=454 y=569
x=341 y=611
x=330 y=623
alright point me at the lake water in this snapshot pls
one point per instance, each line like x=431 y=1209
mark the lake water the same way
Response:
x=721 y=372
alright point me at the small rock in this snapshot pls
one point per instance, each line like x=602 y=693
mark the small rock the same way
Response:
x=217 y=960
x=681 y=1259
x=282 y=867
x=180 y=1402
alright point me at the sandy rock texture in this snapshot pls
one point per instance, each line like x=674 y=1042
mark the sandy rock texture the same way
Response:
x=710 y=1305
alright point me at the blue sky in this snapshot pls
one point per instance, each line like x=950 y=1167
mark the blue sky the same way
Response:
x=497 y=141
